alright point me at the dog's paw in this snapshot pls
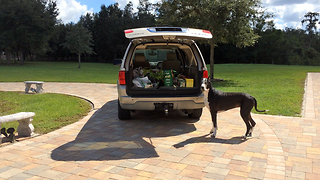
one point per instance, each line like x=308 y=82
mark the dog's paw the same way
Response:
x=213 y=135
x=249 y=135
x=213 y=132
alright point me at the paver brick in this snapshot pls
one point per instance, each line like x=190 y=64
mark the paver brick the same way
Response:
x=10 y=172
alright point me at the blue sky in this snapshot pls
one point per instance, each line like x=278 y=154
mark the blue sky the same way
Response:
x=95 y=4
x=288 y=13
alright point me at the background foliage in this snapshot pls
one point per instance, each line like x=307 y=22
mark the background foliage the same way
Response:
x=31 y=31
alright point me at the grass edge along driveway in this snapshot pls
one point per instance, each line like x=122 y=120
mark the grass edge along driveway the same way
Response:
x=53 y=111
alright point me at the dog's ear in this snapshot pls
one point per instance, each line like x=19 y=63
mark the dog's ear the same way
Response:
x=209 y=79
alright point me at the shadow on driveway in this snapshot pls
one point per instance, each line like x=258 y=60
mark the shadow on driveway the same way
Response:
x=208 y=138
x=105 y=137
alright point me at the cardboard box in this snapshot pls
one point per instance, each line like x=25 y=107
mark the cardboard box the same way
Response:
x=189 y=82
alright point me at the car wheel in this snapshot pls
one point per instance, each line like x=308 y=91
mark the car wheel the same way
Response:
x=196 y=114
x=123 y=114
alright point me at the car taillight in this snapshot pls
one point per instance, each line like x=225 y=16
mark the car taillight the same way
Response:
x=205 y=74
x=128 y=31
x=206 y=31
x=122 y=77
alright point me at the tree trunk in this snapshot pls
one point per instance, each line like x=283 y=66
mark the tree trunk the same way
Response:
x=212 y=45
x=8 y=57
x=79 y=58
x=22 y=57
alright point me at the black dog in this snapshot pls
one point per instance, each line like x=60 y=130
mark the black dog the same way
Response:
x=216 y=100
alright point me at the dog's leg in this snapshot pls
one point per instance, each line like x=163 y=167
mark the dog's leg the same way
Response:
x=245 y=116
x=214 y=129
x=253 y=124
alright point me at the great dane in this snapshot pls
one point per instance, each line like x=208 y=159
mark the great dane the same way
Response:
x=216 y=100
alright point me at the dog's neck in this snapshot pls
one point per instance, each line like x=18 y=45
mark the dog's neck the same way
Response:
x=206 y=100
x=206 y=93
x=209 y=87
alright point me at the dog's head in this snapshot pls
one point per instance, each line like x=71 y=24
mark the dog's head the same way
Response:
x=205 y=85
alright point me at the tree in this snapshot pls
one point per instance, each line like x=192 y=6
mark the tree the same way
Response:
x=26 y=26
x=229 y=21
x=311 y=19
x=87 y=21
x=107 y=28
x=128 y=16
x=145 y=17
x=108 y=32
x=270 y=47
x=55 y=50
x=79 y=40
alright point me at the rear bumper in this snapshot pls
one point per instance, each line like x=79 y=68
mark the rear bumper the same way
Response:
x=148 y=103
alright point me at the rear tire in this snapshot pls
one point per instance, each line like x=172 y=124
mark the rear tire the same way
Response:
x=123 y=114
x=196 y=114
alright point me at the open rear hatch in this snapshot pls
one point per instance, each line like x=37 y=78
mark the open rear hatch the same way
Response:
x=164 y=61
x=164 y=69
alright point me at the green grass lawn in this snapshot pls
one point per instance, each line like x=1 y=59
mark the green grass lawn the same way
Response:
x=60 y=72
x=278 y=88
x=53 y=111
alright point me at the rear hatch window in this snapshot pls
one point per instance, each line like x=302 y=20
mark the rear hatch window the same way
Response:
x=163 y=69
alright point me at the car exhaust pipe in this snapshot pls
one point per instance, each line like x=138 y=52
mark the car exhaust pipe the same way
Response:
x=166 y=110
x=164 y=106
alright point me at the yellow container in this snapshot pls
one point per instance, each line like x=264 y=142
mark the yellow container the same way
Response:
x=189 y=82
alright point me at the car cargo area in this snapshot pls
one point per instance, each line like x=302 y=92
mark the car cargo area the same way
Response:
x=164 y=69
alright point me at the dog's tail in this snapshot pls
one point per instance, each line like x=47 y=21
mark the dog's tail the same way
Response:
x=255 y=106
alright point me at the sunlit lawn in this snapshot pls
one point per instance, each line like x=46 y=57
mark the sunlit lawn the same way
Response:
x=53 y=111
x=278 y=88
x=60 y=72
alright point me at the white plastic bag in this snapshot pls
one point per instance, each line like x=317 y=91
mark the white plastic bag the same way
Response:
x=142 y=82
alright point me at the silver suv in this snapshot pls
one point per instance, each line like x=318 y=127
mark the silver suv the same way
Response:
x=162 y=69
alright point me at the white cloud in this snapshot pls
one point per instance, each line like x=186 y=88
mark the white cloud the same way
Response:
x=289 y=13
x=283 y=2
x=135 y=3
x=71 y=10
